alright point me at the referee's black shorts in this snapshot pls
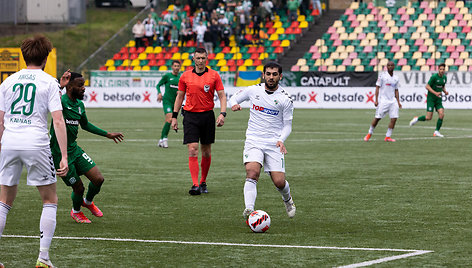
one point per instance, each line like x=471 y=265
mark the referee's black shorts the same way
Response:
x=199 y=127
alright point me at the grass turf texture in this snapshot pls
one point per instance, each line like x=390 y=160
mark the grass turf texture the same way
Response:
x=412 y=194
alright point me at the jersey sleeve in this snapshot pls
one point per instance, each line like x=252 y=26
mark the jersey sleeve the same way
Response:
x=379 y=81
x=288 y=110
x=2 y=97
x=182 y=83
x=241 y=96
x=54 y=101
x=218 y=83
x=162 y=82
x=431 y=81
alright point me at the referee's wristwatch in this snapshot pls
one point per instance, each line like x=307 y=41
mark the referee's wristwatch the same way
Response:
x=223 y=113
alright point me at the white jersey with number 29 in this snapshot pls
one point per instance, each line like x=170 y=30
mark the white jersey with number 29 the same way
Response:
x=26 y=97
x=267 y=112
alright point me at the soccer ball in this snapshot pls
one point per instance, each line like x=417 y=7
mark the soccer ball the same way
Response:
x=259 y=221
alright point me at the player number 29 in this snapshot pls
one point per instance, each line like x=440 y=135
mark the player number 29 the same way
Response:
x=26 y=97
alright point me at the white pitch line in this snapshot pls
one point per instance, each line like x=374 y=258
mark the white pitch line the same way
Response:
x=412 y=252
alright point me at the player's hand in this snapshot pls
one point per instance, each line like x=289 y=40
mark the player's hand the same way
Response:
x=399 y=105
x=282 y=147
x=438 y=94
x=65 y=78
x=174 y=125
x=236 y=107
x=220 y=121
x=63 y=168
x=376 y=103
x=159 y=97
x=115 y=136
x=446 y=92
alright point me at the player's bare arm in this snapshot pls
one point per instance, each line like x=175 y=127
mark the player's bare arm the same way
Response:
x=445 y=91
x=430 y=89
x=397 y=96
x=220 y=121
x=115 y=136
x=2 y=126
x=377 y=89
x=65 y=78
x=61 y=136
x=178 y=103
x=159 y=97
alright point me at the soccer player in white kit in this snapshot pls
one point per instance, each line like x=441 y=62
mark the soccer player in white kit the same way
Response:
x=270 y=124
x=387 y=101
x=26 y=97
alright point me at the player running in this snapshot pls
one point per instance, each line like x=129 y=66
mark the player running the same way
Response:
x=79 y=162
x=171 y=82
x=436 y=85
x=26 y=97
x=388 y=102
x=270 y=124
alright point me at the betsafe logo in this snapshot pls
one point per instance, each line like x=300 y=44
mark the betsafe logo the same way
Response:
x=119 y=97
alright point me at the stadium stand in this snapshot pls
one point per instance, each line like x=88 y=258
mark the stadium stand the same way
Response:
x=416 y=37
x=279 y=35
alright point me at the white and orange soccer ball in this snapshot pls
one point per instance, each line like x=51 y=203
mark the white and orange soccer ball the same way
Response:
x=259 y=221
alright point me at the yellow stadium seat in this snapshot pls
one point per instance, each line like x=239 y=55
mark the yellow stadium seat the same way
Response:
x=432 y=49
x=145 y=68
x=384 y=11
x=417 y=55
x=398 y=55
x=446 y=10
x=237 y=56
x=391 y=23
x=456 y=42
x=234 y=50
x=369 y=17
x=341 y=48
x=420 y=62
x=394 y=29
x=263 y=56
x=388 y=36
x=422 y=17
x=350 y=48
x=377 y=68
x=405 y=48
x=185 y=56
x=163 y=68
x=469 y=23
x=436 y=55
x=449 y=62
x=406 y=68
x=424 y=68
x=323 y=49
x=468 y=62
x=221 y=63
x=469 y=36
x=142 y=56
x=417 y=23
x=340 y=30
x=365 y=42
x=331 y=68
x=126 y=63
x=319 y=42
x=357 y=30
x=341 y=68
x=301 y=18
x=260 y=68
x=232 y=43
x=278 y=24
x=424 y=35
x=453 y=23
x=328 y=62
x=149 y=49
x=344 y=36
x=135 y=62
x=462 y=68
x=242 y=68
x=383 y=62
x=111 y=68
x=356 y=62
x=433 y=4
x=301 y=62
x=110 y=63
x=448 y=29
x=304 y=68
x=334 y=55
x=187 y=62
x=440 y=17
x=219 y=56
x=285 y=43
x=137 y=68
x=410 y=11
x=343 y=55
x=131 y=43
x=337 y=24
x=364 y=24
x=224 y=69
x=248 y=62
x=428 y=42
x=157 y=50
x=374 y=42
x=318 y=62
x=359 y=68
x=354 y=5
x=459 y=4
x=381 y=55
x=421 y=29
x=415 y=36
x=464 y=55
x=274 y=37
x=176 y=56
x=446 y=42
x=401 y=41
x=360 y=17
x=280 y=31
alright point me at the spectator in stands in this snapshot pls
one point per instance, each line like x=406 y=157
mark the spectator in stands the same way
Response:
x=292 y=6
x=222 y=20
x=268 y=5
x=150 y=19
x=154 y=15
x=149 y=32
x=200 y=30
x=241 y=18
x=257 y=19
x=186 y=32
x=138 y=32
x=247 y=7
x=317 y=5
x=225 y=34
x=214 y=29
x=174 y=36
x=229 y=15
x=160 y=33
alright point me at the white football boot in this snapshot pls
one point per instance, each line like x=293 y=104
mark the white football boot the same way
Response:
x=247 y=212
x=290 y=208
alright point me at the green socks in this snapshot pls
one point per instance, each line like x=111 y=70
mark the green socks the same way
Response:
x=422 y=118
x=439 y=124
x=76 y=201
x=165 y=130
x=92 y=191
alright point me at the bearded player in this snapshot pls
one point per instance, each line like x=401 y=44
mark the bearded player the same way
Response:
x=270 y=124
x=79 y=162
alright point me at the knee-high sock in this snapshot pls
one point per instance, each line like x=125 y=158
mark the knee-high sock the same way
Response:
x=285 y=192
x=92 y=191
x=206 y=161
x=250 y=193
x=389 y=132
x=194 y=169
x=4 y=209
x=47 y=226
x=165 y=130
x=439 y=124
x=422 y=118
x=77 y=200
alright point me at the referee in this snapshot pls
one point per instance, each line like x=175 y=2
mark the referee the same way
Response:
x=198 y=86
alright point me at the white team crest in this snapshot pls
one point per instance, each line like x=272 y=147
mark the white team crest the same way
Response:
x=206 y=88
x=80 y=111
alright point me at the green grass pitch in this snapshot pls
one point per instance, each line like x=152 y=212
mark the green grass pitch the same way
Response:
x=414 y=194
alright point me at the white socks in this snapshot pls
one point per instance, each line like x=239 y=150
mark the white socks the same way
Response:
x=371 y=130
x=389 y=132
x=285 y=192
x=250 y=193
x=47 y=226
x=4 y=208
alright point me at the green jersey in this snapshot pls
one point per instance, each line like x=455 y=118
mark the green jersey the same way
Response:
x=172 y=85
x=74 y=115
x=437 y=83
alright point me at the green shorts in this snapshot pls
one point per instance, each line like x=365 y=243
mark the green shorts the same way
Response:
x=433 y=103
x=79 y=164
x=167 y=106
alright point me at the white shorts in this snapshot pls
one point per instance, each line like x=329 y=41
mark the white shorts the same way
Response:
x=269 y=156
x=38 y=163
x=387 y=107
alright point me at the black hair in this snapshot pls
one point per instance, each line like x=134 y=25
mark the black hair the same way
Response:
x=73 y=76
x=200 y=50
x=273 y=64
x=442 y=65
x=176 y=61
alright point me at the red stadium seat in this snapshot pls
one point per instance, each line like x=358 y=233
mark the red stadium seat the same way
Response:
x=295 y=68
x=226 y=50
x=103 y=68
x=257 y=63
x=168 y=56
x=269 y=24
x=260 y=49
x=297 y=31
x=152 y=62
x=294 y=24
x=133 y=56
x=174 y=50
x=402 y=62
x=161 y=62
x=117 y=56
x=230 y=63
x=141 y=50
x=190 y=43
x=271 y=31
x=124 y=50
x=239 y=62
x=188 y=68
x=252 y=50
x=278 y=50
x=211 y=56
x=120 y=68
x=233 y=68
x=159 y=56
x=254 y=56
x=289 y=30
x=151 y=56
x=276 y=43
x=132 y=50
x=460 y=48
x=450 y=49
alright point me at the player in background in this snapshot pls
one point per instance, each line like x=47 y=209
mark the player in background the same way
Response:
x=199 y=86
x=270 y=124
x=387 y=101
x=79 y=162
x=26 y=97
x=171 y=82
x=436 y=86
